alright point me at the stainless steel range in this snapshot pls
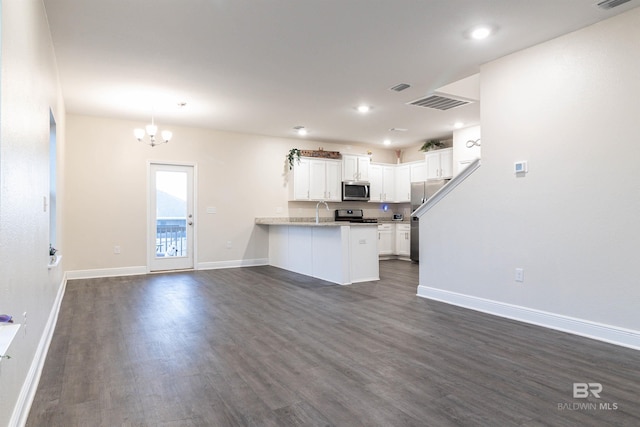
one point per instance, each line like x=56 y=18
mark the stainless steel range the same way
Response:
x=353 y=215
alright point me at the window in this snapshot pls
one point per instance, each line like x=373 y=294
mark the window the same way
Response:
x=52 y=179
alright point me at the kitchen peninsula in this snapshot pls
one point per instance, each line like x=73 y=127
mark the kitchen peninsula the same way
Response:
x=338 y=252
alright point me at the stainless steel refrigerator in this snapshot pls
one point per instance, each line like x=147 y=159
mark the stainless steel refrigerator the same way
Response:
x=420 y=193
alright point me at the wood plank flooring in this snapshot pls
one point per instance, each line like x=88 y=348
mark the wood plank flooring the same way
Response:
x=262 y=346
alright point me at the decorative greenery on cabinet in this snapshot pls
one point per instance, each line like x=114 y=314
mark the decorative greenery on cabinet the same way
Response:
x=294 y=154
x=431 y=144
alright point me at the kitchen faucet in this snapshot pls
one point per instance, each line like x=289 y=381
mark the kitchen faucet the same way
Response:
x=317 y=207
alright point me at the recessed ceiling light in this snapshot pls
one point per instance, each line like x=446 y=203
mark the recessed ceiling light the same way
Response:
x=301 y=130
x=363 y=108
x=387 y=142
x=480 y=33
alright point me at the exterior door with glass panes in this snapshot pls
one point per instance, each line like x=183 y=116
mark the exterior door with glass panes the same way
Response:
x=171 y=217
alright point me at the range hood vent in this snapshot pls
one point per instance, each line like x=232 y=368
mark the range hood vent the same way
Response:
x=439 y=102
x=610 y=4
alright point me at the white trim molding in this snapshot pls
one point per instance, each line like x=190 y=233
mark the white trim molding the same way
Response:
x=214 y=265
x=447 y=188
x=106 y=272
x=140 y=270
x=586 y=328
x=30 y=385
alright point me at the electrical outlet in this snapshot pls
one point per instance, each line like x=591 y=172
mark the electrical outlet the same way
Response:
x=116 y=249
x=519 y=276
x=228 y=244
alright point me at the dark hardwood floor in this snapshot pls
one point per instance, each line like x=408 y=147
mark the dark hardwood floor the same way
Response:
x=265 y=347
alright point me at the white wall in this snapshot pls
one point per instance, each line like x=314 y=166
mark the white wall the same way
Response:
x=461 y=151
x=570 y=107
x=242 y=176
x=29 y=88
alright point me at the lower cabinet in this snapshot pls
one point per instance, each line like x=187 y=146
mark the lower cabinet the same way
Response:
x=394 y=240
x=403 y=240
x=385 y=239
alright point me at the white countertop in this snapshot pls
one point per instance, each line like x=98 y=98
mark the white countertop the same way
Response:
x=310 y=222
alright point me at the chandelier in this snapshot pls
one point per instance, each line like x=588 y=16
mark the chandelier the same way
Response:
x=151 y=130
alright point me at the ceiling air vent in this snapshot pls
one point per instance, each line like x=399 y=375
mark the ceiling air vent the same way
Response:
x=439 y=102
x=400 y=87
x=610 y=4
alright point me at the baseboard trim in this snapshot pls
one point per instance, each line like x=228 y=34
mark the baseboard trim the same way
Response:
x=30 y=385
x=106 y=272
x=138 y=270
x=601 y=332
x=232 y=264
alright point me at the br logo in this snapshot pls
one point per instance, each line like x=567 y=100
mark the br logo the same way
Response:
x=583 y=390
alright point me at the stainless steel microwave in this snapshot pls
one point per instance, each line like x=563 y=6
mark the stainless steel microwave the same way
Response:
x=355 y=190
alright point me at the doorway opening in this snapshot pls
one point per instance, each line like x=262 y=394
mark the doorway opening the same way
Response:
x=171 y=217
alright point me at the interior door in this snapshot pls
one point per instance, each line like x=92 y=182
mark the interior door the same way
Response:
x=171 y=217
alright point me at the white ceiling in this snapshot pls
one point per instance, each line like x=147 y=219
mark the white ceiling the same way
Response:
x=265 y=66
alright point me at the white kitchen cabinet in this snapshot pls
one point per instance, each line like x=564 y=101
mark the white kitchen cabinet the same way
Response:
x=446 y=163
x=324 y=180
x=418 y=171
x=403 y=240
x=402 y=183
x=299 y=180
x=315 y=179
x=341 y=254
x=388 y=183
x=355 y=167
x=439 y=164
x=375 y=180
x=333 y=180
x=382 y=179
x=385 y=239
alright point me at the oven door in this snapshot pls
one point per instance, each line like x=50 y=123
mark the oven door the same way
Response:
x=355 y=190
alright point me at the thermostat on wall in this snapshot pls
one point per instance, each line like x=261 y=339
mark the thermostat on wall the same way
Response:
x=520 y=167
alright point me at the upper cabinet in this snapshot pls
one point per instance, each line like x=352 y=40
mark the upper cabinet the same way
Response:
x=418 y=171
x=439 y=164
x=299 y=180
x=403 y=183
x=382 y=179
x=316 y=179
x=355 y=167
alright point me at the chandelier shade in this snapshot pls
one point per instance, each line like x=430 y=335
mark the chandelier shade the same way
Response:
x=151 y=130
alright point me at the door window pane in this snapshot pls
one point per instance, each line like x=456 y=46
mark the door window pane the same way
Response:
x=171 y=214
